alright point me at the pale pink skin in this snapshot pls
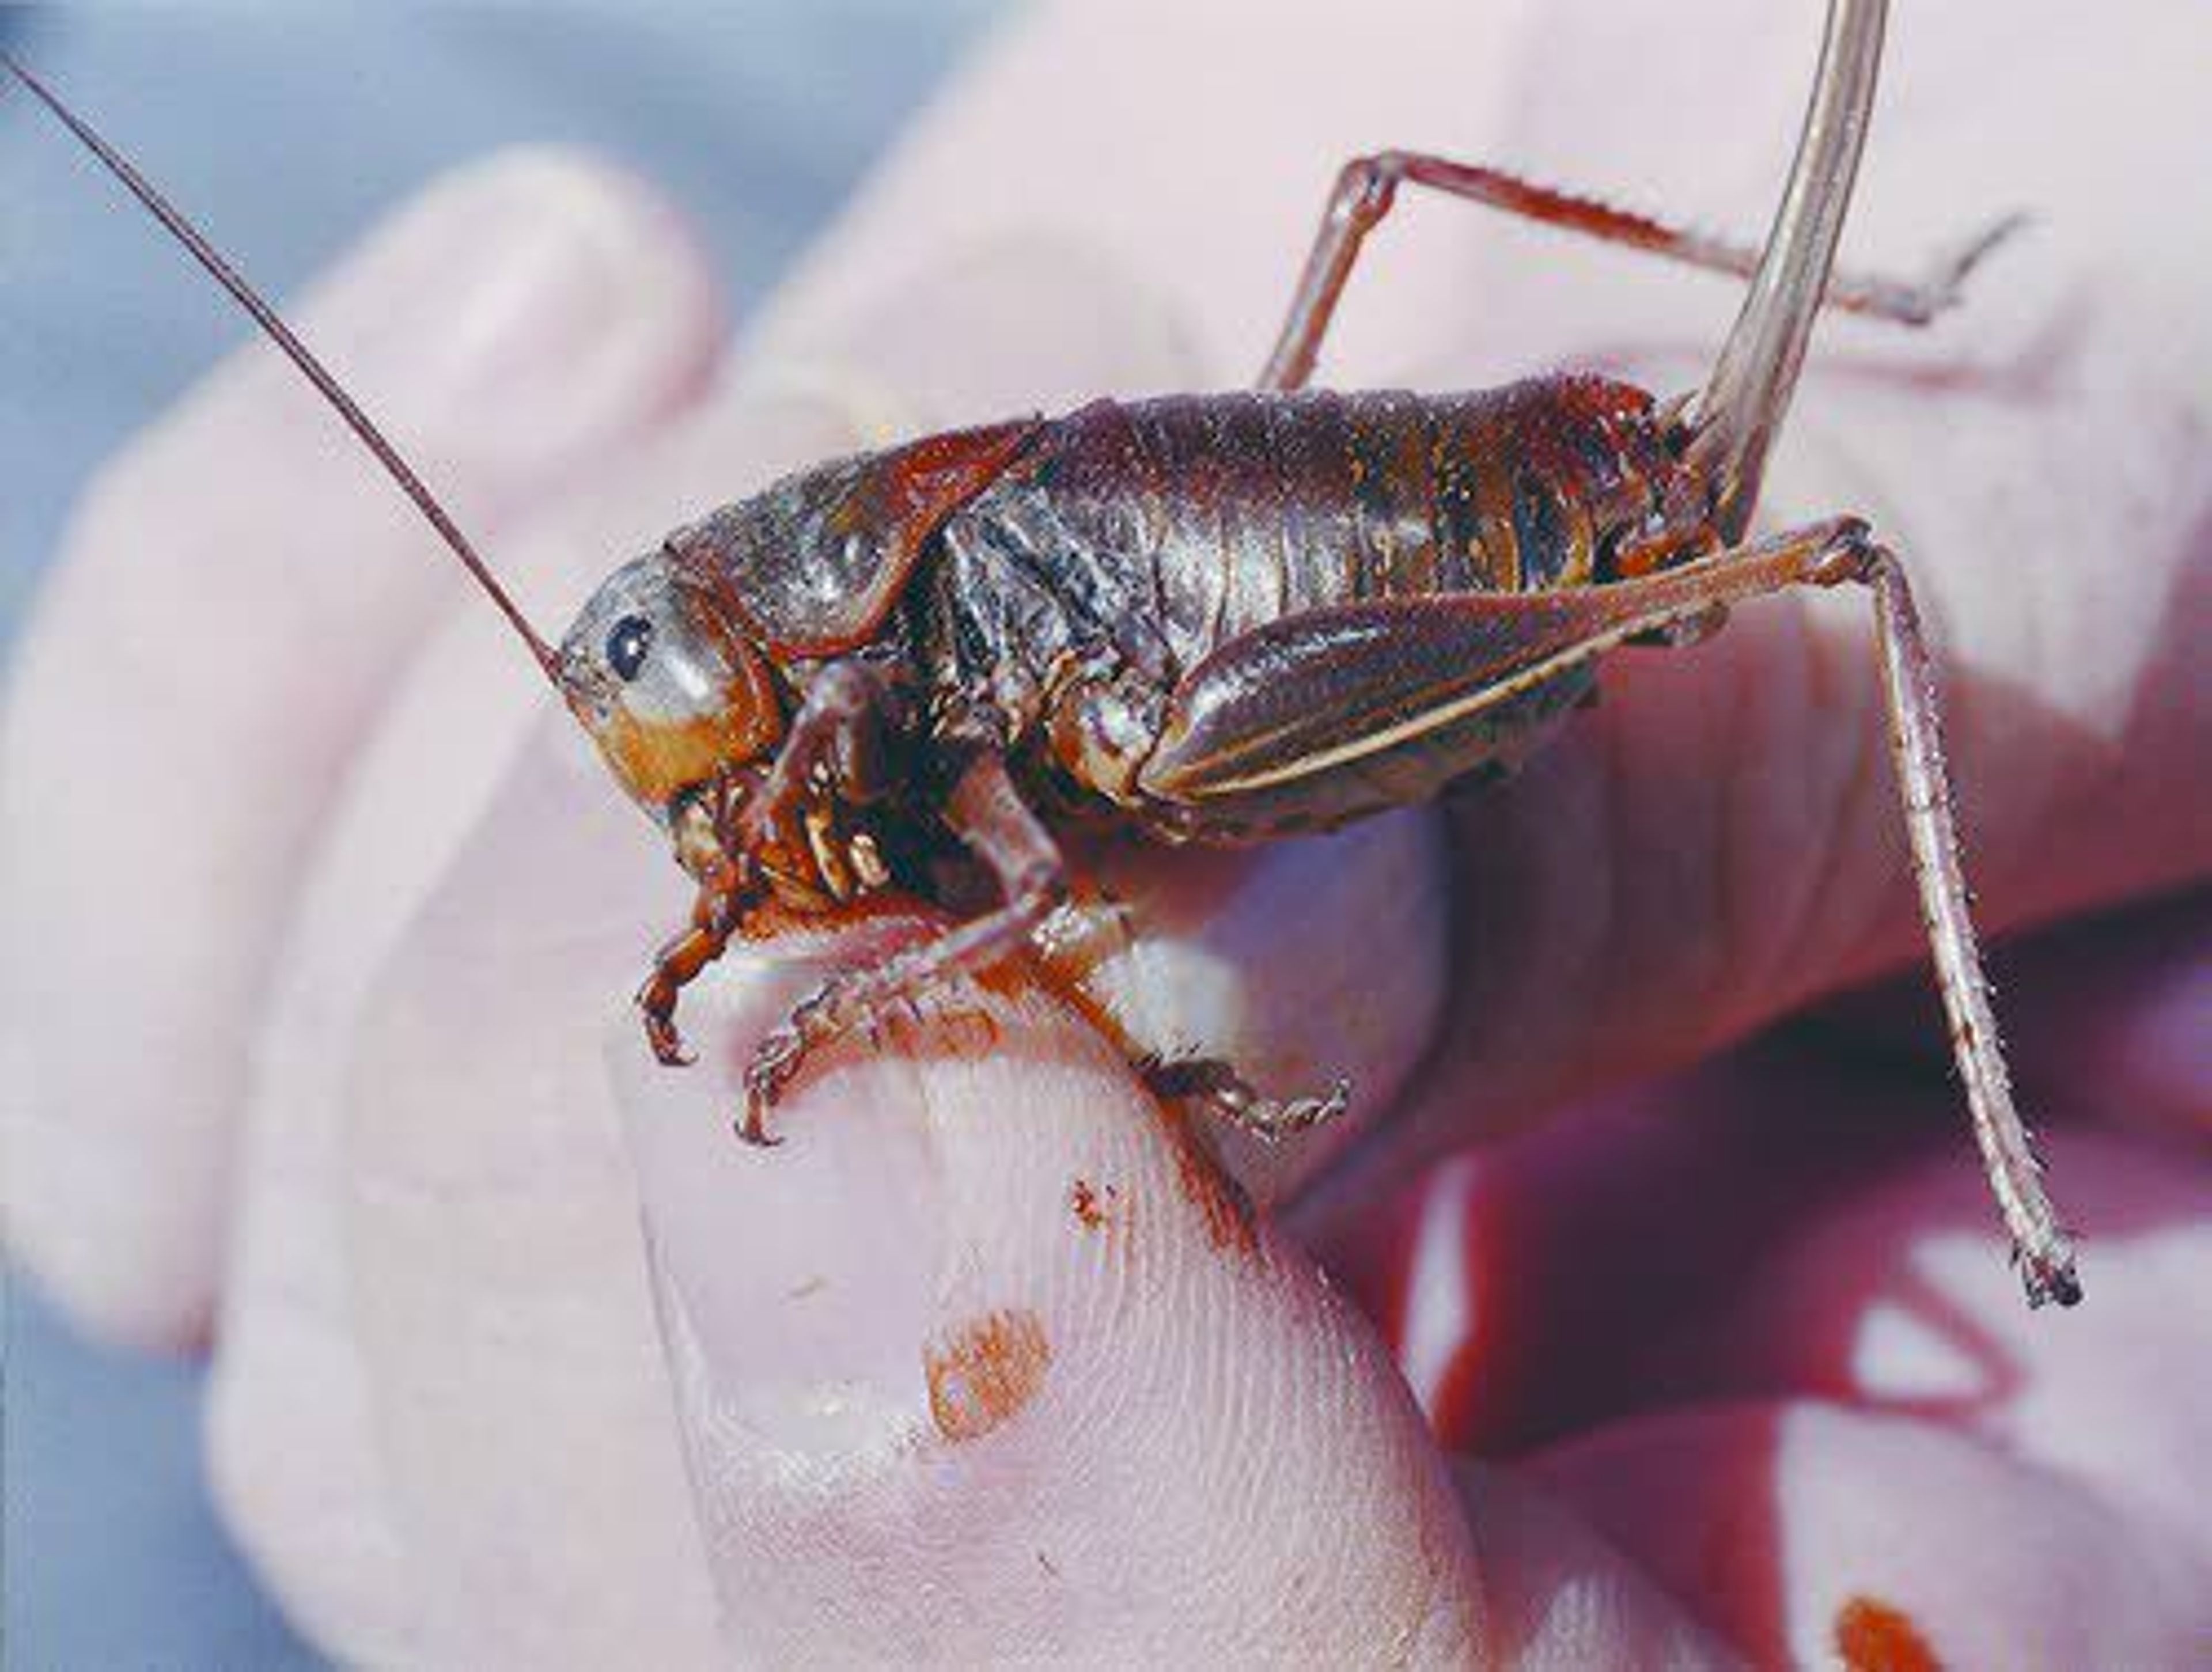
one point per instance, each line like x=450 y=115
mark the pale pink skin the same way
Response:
x=360 y=1105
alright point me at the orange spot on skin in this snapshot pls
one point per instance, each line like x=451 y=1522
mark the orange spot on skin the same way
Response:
x=986 y=1373
x=1084 y=1201
x=1874 y=1636
x=1220 y=1201
x=1091 y=1207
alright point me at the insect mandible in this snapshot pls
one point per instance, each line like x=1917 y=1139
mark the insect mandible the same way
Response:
x=1221 y=618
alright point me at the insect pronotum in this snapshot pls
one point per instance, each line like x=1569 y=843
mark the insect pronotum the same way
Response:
x=1221 y=618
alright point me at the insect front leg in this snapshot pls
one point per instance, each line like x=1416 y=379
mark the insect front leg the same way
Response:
x=1367 y=187
x=853 y=707
x=985 y=811
x=714 y=918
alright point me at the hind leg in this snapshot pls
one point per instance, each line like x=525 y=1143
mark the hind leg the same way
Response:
x=1382 y=676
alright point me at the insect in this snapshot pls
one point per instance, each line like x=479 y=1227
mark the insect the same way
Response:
x=1222 y=619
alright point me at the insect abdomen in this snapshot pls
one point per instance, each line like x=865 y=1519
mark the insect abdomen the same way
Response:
x=1166 y=527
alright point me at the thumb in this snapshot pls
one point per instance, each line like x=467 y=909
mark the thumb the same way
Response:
x=989 y=1360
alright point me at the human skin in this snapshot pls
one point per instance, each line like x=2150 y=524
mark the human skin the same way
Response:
x=334 y=1080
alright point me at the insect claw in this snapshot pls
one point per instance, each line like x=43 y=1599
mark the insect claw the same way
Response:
x=751 y=1127
x=668 y=1047
x=776 y=1059
x=1301 y=1114
x=1223 y=1089
x=2049 y=1276
x=762 y=1084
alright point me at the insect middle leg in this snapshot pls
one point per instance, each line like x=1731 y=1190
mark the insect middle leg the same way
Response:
x=985 y=811
x=1367 y=187
x=1088 y=932
x=1221 y=1088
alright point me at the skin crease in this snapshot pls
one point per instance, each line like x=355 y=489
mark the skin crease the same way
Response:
x=1737 y=1344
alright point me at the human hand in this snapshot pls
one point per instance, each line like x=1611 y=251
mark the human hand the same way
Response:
x=929 y=1405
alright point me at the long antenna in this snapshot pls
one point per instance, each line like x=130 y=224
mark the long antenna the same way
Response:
x=280 y=333
x=1740 y=413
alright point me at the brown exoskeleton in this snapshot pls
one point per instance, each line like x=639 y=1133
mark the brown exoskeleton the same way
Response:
x=1221 y=618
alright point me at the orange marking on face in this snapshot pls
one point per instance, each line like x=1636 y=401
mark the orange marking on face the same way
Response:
x=986 y=1373
x=1875 y=1636
x=657 y=760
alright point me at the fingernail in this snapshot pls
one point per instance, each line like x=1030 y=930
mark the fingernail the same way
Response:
x=794 y=1282
x=907 y=1290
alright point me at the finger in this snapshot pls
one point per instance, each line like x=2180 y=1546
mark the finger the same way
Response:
x=1805 y=1534
x=1894 y=1299
x=1056 y=133
x=189 y=694
x=1558 y=1595
x=1744 y=1357
x=1773 y=1226
x=1538 y=1286
x=985 y=1361
x=1217 y=220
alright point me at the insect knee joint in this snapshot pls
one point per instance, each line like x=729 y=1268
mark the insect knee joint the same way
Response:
x=1852 y=555
x=1365 y=186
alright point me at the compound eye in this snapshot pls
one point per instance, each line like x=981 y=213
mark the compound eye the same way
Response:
x=626 y=645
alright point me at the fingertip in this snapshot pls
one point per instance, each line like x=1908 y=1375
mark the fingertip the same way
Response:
x=988 y=1291
x=130 y=1267
x=1805 y=1533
